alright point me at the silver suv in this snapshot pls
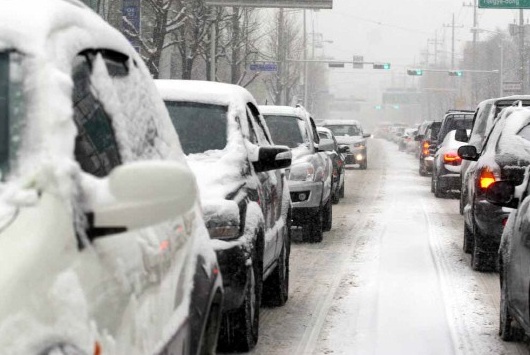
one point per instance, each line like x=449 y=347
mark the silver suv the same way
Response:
x=310 y=176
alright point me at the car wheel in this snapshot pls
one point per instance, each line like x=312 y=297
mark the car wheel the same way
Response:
x=240 y=328
x=438 y=190
x=422 y=171
x=341 y=191
x=432 y=182
x=364 y=165
x=482 y=261
x=462 y=197
x=468 y=240
x=328 y=217
x=276 y=287
x=313 y=228
x=507 y=331
x=335 y=198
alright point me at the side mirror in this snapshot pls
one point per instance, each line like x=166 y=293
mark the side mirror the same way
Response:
x=468 y=152
x=367 y=135
x=419 y=137
x=272 y=158
x=344 y=149
x=326 y=145
x=461 y=135
x=145 y=193
x=501 y=193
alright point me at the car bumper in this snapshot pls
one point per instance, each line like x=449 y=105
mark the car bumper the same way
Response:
x=489 y=222
x=427 y=163
x=233 y=265
x=306 y=198
x=450 y=181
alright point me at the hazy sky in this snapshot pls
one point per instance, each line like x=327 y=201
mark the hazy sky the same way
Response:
x=396 y=32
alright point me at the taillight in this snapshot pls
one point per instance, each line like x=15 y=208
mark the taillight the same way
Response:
x=486 y=178
x=452 y=158
x=425 y=148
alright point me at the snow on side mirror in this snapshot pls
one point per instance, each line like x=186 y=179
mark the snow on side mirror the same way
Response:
x=468 y=152
x=272 y=158
x=146 y=193
x=326 y=145
x=501 y=193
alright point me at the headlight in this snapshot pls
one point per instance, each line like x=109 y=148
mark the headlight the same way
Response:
x=358 y=145
x=302 y=172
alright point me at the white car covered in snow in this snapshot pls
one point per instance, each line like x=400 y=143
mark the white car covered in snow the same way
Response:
x=100 y=230
x=350 y=133
x=244 y=194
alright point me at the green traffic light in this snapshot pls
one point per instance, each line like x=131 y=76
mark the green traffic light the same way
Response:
x=378 y=107
x=386 y=66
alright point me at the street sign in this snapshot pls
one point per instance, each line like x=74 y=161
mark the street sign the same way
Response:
x=358 y=62
x=132 y=15
x=336 y=65
x=303 y=4
x=512 y=87
x=504 y=4
x=270 y=67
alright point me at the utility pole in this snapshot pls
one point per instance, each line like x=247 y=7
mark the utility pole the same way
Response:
x=474 y=56
x=453 y=26
x=213 y=40
x=435 y=42
x=521 y=50
x=281 y=60
x=306 y=71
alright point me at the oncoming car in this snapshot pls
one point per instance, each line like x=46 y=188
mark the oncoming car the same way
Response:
x=101 y=233
x=350 y=133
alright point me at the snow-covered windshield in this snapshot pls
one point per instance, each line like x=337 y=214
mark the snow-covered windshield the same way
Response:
x=344 y=130
x=285 y=130
x=201 y=127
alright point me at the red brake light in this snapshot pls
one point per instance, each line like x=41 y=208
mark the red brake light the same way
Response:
x=486 y=178
x=452 y=158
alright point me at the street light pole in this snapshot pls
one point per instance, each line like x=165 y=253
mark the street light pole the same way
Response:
x=306 y=71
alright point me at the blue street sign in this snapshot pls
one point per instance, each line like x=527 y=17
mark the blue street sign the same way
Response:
x=264 y=67
x=131 y=11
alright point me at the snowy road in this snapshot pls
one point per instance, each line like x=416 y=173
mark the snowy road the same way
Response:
x=390 y=278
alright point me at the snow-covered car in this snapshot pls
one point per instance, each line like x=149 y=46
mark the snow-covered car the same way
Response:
x=446 y=165
x=514 y=257
x=244 y=194
x=483 y=119
x=100 y=227
x=337 y=158
x=311 y=174
x=428 y=142
x=407 y=142
x=505 y=155
x=350 y=133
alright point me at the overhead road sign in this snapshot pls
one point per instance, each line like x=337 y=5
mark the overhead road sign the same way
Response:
x=358 y=62
x=512 y=87
x=270 y=67
x=504 y=4
x=300 y=4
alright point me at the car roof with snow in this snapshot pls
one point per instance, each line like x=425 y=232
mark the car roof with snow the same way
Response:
x=207 y=92
x=283 y=110
x=45 y=20
x=340 y=122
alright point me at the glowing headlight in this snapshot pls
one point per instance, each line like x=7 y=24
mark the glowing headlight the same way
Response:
x=302 y=172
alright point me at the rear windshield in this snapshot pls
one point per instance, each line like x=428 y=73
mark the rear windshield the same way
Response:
x=201 y=127
x=344 y=130
x=285 y=130
x=453 y=122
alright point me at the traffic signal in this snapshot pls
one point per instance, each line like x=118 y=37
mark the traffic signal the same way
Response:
x=396 y=107
x=378 y=107
x=385 y=66
x=417 y=72
x=456 y=73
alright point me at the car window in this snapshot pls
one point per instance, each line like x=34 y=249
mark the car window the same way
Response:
x=96 y=148
x=201 y=127
x=479 y=127
x=285 y=130
x=256 y=126
x=344 y=130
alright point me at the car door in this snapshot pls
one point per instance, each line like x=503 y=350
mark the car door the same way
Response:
x=132 y=266
x=324 y=161
x=270 y=189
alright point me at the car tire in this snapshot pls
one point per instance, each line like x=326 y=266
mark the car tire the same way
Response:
x=422 y=171
x=364 y=165
x=314 y=228
x=438 y=191
x=328 y=217
x=432 y=182
x=276 y=287
x=341 y=191
x=468 y=240
x=507 y=331
x=462 y=197
x=481 y=261
x=240 y=327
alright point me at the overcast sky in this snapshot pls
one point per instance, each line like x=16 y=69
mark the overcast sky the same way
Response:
x=396 y=32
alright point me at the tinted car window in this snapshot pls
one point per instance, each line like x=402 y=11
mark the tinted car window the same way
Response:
x=201 y=127
x=96 y=149
x=433 y=131
x=344 y=130
x=452 y=122
x=525 y=132
x=285 y=130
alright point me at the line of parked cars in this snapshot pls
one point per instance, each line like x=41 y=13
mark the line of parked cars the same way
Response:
x=141 y=216
x=485 y=156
